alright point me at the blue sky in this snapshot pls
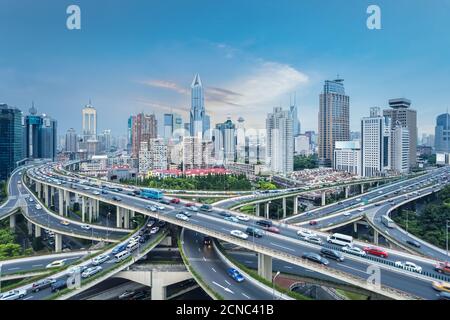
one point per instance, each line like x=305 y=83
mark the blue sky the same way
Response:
x=142 y=55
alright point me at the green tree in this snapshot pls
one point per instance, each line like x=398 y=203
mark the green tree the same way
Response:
x=305 y=162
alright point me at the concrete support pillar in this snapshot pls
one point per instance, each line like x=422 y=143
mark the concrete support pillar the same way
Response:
x=126 y=219
x=158 y=289
x=97 y=210
x=257 y=210
x=66 y=202
x=119 y=217
x=375 y=237
x=295 y=205
x=58 y=242
x=29 y=227
x=347 y=191
x=91 y=208
x=265 y=266
x=267 y=210
x=83 y=209
x=355 y=227
x=362 y=187
x=12 y=222
x=52 y=196
x=37 y=231
x=61 y=202
x=132 y=214
x=284 y=208
x=324 y=198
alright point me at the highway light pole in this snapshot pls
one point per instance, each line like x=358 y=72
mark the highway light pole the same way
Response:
x=273 y=284
x=107 y=226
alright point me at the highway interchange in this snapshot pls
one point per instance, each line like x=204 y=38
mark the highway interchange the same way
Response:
x=289 y=243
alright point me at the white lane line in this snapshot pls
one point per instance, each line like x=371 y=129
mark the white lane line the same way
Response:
x=277 y=245
x=248 y=261
x=288 y=267
x=15 y=268
x=246 y=295
x=37 y=265
x=358 y=270
x=204 y=259
x=226 y=289
x=228 y=283
x=28 y=298
x=213 y=269
x=224 y=229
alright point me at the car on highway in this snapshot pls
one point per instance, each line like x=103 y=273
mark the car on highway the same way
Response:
x=312 y=222
x=193 y=208
x=360 y=209
x=189 y=204
x=96 y=193
x=254 y=232
x=236 y=275
x=407 y=265
x=444 y=295
x=30 y=199
x=85 y=227
x=175 y=200
x=186 y=213
x=347 y=213
x=77 y=269
x=56 y=264
x=306 y=233
x=164 y=201
x=231 y=218
x=442 y=267
x=413 y=243
x=100 y=259
x=314 y=239
x=127 y=294
x=243 y=217
x=239 y=234
x=354 y=250
x=13 y=294
x=441 y=286
x=116 y=198
x=42 y=284
x=376 y=252
x=332 y=254
x=91 y=271
x=180 y=216
x=264 y=223
x=64 y=222
x=225 y=214
x=206 y=207
x=314 y=257
x=154 y=230
x=160 y=207
x=38 y=207
x=151 y=208
x=207 y=241
x=272 y=229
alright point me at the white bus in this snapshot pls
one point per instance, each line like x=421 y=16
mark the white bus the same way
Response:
x=387 y=221
x=340 y=239
x=122 y=256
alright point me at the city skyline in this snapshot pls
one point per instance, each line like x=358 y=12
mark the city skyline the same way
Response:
x=147 y=64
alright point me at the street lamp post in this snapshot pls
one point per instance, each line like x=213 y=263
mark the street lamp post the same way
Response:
x=273 y=284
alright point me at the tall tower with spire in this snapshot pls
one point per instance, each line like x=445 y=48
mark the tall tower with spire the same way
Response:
x=198 y=118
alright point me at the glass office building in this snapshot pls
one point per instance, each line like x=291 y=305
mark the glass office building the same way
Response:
x=11 y=142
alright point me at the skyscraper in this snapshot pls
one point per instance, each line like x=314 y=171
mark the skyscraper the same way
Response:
x=144 y=128
x=400 y=112
x=241 y=145
x=89 y=123
x=375 y=144
x=41 y=136
x=442 y=133
x=400 y=148
x=71 y=141
x=280 y=141
x=11 y=139
x=296 y=122
x=199 y=120
x=225 y=140
x=173 y=123
x=333 y=119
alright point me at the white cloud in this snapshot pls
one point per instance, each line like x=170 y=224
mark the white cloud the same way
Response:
x=165 y=85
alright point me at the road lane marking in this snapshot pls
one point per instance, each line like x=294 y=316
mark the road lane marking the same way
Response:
x=204 y=259
x=37 y=265
x=358 y=270
x=15 y=268
x=277 y=245
x=226 y=289
x=246 y=295
x=228 y=283
x=28 y=298
x=288 y=267
x=213 y=269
